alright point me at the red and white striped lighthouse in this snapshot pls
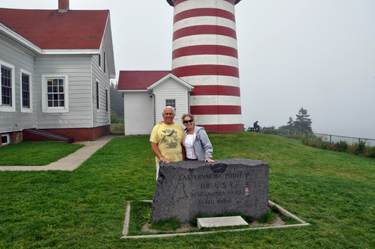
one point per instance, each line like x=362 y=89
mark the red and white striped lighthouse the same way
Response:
x=205 y=56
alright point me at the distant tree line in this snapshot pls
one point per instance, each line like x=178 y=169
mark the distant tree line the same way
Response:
x=301 y=124
x=117 y=105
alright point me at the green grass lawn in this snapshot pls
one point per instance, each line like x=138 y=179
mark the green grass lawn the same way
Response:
x=333 y=191
x=35 y=153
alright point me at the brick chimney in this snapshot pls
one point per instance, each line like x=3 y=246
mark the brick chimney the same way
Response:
x=63 y=6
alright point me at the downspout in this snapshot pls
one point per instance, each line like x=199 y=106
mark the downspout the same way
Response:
x=152 y=95
x=123 y=99
x=189 y=99
x=188 y=102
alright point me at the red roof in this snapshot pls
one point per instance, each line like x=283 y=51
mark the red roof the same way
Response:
x=49 y=29
x=139 y=80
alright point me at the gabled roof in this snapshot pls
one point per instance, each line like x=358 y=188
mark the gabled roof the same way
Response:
x=171 y=2
x=178 y=80
x=145 y=80
x=139 y=80
x=49 y=29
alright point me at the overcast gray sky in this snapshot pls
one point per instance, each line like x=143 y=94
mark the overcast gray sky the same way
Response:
x=315 y=54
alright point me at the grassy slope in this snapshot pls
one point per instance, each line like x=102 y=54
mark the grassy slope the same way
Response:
x=333 y=191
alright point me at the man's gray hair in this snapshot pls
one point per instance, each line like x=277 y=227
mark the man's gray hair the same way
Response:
x=169 y=107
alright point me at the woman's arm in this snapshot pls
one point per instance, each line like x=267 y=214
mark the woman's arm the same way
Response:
x=183 y=152
x=207 y=146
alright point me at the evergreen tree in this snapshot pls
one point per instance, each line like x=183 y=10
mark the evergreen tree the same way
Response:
x=289 y=126
x=290 y=123
x=302 y=123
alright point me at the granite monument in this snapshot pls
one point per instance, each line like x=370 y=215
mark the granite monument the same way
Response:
x=186 y=188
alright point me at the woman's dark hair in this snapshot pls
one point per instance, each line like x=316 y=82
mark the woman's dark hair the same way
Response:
x=187 y=115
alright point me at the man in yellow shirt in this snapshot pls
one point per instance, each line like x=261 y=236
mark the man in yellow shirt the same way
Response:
x=166 y=140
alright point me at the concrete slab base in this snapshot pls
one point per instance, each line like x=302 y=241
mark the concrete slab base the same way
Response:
x=270 y=204
x=221 y=221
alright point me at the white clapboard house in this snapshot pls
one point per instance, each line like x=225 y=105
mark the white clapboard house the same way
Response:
x=56 y=67
x=146 y=94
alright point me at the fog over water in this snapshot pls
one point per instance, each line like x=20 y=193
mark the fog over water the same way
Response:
x=319 y=55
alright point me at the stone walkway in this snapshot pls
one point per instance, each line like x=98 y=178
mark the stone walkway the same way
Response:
x=70 y=162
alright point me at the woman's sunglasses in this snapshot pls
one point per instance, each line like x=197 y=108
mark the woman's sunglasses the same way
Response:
x=188 y=121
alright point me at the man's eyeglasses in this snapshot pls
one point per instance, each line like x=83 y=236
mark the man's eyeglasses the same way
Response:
x=188 y=121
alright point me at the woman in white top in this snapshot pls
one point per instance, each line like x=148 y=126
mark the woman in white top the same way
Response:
x=196 y=142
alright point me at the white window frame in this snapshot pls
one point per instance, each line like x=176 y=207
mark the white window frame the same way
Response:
x=97 y=96
x=8 y=139
x=6 y=108
x=107 y=100
x=174 y=107
x=30 y=109
x=104 y=62
x=45 y=107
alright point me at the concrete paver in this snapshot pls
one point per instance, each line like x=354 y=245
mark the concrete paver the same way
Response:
x=70 y=162
x=221 y=221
